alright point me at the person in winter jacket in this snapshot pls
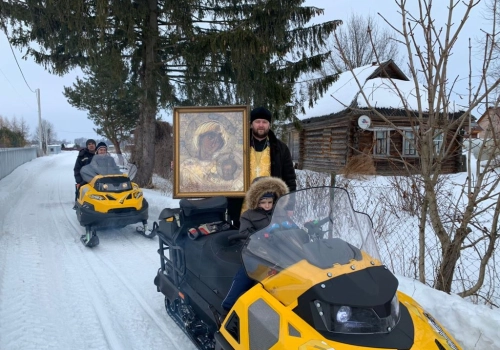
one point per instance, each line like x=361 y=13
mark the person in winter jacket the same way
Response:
x=269 y=156
x=261 y=199
x=84 y=157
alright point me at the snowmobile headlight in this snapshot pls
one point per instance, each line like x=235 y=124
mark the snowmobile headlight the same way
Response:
x=104 y=186
x=97 y=197
x=360 y=320
x=138 y=194
x=344 y=314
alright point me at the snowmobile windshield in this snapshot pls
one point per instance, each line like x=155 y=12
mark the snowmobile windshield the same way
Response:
x=100 y=165
x=316 y=226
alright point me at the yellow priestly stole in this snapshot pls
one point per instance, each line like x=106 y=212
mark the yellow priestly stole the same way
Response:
x=260 y=165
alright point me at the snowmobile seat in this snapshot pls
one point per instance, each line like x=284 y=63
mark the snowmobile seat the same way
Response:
x=214 y=205
x=197 y=212
x=213 y=260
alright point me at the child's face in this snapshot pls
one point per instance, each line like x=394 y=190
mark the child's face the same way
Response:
x=266 y=203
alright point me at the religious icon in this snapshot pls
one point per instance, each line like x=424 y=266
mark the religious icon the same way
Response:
x=211 y=151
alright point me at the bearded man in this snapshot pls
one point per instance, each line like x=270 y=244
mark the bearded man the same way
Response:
x=269 y=156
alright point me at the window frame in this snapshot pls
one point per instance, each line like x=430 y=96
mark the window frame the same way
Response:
x=406 y=143
x=387 y=141
x=294 y=148
x=438 y=143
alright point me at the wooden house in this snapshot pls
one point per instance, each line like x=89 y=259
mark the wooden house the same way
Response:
x=346 y=127
x=489 y=123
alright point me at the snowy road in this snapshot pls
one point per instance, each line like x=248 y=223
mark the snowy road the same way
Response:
x=57 y=294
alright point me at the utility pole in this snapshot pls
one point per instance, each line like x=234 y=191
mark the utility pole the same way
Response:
x=39 y=120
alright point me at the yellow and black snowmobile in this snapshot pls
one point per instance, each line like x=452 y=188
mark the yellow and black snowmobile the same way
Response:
x=319 y=281
x=109 y=200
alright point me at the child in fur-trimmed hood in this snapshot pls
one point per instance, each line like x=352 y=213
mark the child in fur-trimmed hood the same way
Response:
x=261 y=198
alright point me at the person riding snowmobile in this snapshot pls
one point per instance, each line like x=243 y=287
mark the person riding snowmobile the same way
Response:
x=84 y=158
x=109 y=199
x=261 y=198
x=101 y=148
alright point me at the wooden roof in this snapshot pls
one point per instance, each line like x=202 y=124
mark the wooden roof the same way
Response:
x=390 y=112
x=388 y=69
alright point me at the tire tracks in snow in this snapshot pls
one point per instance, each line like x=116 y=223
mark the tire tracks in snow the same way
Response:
x=26 y=300
x=57 y=294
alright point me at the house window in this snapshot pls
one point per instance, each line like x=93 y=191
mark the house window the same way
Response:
x=438 y=141
x=294 y=145
x=382 y=142
x=409 y=148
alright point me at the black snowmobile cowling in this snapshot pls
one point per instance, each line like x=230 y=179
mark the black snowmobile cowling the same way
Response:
x=109 y=200
x=320 y=283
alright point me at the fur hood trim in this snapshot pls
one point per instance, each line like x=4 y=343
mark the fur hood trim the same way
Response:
x=260 y=186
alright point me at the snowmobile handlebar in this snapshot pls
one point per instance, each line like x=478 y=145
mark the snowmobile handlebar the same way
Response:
x=286 y=225
x=315 y=224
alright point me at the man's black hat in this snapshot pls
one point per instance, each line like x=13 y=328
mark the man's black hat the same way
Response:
x=260 y=113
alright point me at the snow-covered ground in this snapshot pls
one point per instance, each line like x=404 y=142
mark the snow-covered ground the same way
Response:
x=57 y=294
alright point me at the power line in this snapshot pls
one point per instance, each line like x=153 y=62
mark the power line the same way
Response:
x=13 y=88
x=13 y=54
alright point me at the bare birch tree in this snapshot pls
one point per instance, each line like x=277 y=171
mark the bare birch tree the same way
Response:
x=48 y=134
x=466 y=226
x=359 y=38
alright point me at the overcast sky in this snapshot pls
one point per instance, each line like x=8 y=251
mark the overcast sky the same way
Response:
x=16 y=99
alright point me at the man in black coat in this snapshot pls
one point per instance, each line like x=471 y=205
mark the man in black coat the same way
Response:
x=261 y=138
x=84 y=157
x=269 y=156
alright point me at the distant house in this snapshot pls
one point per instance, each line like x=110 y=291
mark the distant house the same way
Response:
x=69 y=147
x=53 y=149
x=489 y=123
x=342 y=126
x=473 y=132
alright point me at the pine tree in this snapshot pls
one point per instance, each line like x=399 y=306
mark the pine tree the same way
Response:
x=198 y=52
x=110 y=97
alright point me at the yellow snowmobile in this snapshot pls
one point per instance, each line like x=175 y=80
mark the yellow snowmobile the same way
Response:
x=319 y=281
x=109 y=200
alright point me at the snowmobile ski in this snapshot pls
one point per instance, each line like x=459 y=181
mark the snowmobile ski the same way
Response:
x=145 y=231
x=90 y=238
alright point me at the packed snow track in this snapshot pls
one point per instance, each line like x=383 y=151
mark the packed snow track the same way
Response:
x=57 y=294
